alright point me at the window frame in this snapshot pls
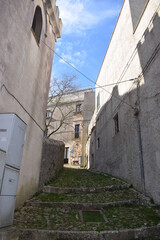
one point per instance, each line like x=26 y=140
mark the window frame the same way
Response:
x=48 y=114
x=78 y=108
x=37 y=28
x=116 y=123
x=77 y=133
x=98 y=142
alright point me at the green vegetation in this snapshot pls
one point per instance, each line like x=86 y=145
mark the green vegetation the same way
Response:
x=66 y=219
x=83 y=178
x=131 y=217
x=103 y=197
x=69 y=219
x=92 y=216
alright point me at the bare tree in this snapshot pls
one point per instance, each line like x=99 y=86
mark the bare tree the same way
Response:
x=58 y=116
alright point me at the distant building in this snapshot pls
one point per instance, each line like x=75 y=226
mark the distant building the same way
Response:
x=26 y=28
x=125 y=129
x=78 y=108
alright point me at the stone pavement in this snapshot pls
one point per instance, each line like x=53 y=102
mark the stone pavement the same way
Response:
x=80 y=204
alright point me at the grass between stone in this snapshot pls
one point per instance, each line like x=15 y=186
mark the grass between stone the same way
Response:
x=66 y=219
x=82 y=178
x=69 y=219
x=103 y=197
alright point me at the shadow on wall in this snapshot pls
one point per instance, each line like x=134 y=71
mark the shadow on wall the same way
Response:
x=128 y=127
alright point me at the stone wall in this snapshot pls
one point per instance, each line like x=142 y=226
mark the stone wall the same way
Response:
x=52 y=160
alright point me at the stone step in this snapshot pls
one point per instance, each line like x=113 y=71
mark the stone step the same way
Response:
x=86 y=218
x=52 y=189
x=78 y=211
x=83 y=206
x=127 y=234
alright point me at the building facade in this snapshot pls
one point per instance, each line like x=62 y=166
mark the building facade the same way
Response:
x=76 y=109
x=124 y=133
x=26 y=28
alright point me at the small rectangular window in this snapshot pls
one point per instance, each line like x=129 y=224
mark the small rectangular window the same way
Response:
x=98 y=142
x=77 y=127
x=48 y=114
x=116 y=123
x=66 y=154
x=78 y=107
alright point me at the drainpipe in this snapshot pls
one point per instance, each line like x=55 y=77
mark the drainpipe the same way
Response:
x=95 y=147
x=136 y=113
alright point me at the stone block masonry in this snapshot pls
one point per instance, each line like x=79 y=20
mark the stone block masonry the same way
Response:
x=52 y=160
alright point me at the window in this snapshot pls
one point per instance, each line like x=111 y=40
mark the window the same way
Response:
x=66 y=155
x=37 y=24
x=77 y=127
x=48 y=114
x=98 y=142
x=98 y=100
x=116 y=123
x=78 y=107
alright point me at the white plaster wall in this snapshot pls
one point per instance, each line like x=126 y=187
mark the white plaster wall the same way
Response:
x=121 y=61
x=25 y=70
x=128 y=53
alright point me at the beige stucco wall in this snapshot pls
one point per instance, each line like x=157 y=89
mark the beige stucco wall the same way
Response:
x=67 y=131
x=25 y=69
x=133 y=52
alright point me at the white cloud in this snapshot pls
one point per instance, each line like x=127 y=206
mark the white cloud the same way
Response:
x=81 y=15
x=71 y=55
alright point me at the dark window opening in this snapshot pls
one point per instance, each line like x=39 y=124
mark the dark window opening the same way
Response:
x=116 y=123
x=78 y=107
x=66 y=155
x=77 y=127
x=48 y=114
x=98 y=142
x=37 y=23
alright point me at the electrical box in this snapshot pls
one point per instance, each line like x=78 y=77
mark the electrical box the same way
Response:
x=12 y=137
x=12 y=132
x=2 y=165
x=10 y=181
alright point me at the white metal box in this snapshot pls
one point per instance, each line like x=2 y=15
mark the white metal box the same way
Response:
x=10 y=182
x=7 y=206
x=12 y=134
x=2 y=165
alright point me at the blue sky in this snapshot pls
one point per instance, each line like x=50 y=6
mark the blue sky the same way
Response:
x=86 y=32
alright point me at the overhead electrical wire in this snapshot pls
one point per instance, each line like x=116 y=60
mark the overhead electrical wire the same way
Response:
x=84 y=75
x=118 y=82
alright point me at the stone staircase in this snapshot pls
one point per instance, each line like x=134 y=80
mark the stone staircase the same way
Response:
x=82 y=205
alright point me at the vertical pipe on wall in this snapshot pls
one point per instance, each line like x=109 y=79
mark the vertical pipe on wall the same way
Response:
x=137 y=111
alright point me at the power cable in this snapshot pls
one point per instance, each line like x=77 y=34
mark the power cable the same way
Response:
x=117 y=83
x=121 y=100
x=3 y=86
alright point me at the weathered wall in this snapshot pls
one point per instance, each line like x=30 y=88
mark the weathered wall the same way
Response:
x=88 y=109
x=66 y=133
x=137 y=55
x=25 y=69
x=52 y=160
